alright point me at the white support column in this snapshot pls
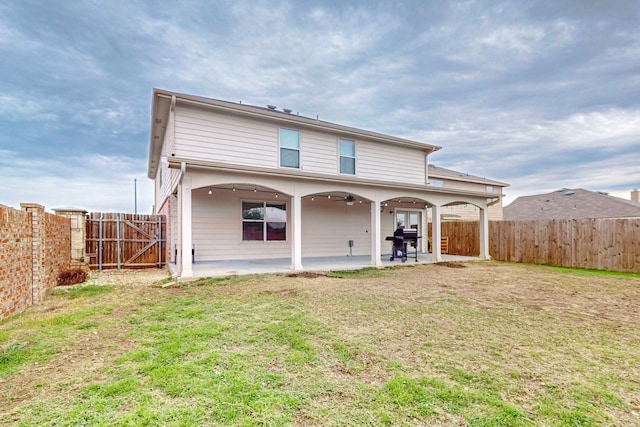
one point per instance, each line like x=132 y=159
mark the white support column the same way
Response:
x=178 y=228
x=436 y=234
x=186 y=240
x=296 y=233
x=484 y=234
x=376 y=252
x=424 y=242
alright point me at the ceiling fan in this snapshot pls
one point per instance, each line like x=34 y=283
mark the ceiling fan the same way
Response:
x=349 y=200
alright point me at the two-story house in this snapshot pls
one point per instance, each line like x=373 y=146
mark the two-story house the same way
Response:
x=242 y=182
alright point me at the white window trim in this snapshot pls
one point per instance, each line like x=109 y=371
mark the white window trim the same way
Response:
x=355 y=157
x=299 y=149
x=264 y=221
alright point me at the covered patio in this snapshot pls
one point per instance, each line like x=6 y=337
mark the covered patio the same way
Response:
x=242 y=267
x=302 y=225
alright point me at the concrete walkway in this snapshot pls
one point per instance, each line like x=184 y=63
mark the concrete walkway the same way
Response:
x=282 y=265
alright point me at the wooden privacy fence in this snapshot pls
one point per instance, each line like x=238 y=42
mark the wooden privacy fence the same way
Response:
x=119 y=240
x=603 y=244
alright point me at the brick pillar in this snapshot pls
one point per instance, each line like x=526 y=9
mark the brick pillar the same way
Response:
x=78 y=235
x=37 y=249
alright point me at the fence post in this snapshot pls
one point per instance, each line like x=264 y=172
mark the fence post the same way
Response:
x=118 y=240
x=159 y=242
x=38 y=286
x=100 y=243
x=78 y=232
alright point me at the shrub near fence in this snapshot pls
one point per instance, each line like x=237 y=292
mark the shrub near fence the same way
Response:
x=603 y=244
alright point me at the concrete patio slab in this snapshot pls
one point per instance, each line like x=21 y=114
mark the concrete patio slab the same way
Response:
x=283 y=265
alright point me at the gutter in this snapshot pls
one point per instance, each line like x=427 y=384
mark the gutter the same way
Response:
x=183 y=171
x=497 y=199
x=296 y=175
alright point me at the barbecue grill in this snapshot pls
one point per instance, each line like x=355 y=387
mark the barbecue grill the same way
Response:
x=400 y=241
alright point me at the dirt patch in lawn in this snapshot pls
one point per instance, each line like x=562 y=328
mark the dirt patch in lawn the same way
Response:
x=450 y=264
x=307 y=275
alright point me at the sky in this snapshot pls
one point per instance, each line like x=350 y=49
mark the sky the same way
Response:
x=542 y=95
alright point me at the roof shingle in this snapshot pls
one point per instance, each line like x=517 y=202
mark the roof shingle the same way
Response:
x=570 y=204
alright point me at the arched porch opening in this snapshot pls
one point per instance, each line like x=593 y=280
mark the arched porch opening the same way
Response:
x=409 y=212
x=464 y=227
x=239 y=220
x=335 y=223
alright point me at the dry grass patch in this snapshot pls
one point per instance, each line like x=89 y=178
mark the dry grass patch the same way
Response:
x=492 y=344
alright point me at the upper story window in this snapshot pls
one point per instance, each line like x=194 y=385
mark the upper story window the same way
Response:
x=489 y=188
x=347 y=156
x=264 y=221
x=290 y=148
x=436 y=182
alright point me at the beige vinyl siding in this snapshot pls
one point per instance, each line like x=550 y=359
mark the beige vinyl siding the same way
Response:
x=495 y=212
x=319 y=153
x=470 y=212
x=328 y=225
x=217 y=228
x=390 y=163
x=169 y=176
x=209 y=136
x=461 y=185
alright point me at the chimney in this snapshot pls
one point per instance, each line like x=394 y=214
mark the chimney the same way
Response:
x=635 y=195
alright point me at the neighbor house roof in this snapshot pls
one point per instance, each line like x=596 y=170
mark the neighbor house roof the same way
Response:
x=438 y=172
x=570 y=204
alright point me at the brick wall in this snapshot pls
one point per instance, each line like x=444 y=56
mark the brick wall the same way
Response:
x=57 y=248
x=35 y=247
x=15 y=261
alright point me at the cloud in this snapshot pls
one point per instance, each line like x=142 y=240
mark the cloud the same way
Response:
x=100 y=183
x=22 y=107
x=595 y=150
x=540 y=95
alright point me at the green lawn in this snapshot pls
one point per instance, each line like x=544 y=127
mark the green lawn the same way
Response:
x=491 y=344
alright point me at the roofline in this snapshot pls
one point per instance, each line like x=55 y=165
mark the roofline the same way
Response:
x=465 y=178
x=269 y=115
x=261 y=112
x=470 y=178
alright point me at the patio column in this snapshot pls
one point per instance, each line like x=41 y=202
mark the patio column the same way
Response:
x=296 y=233
x=186 y=240
x=376 y=252
x=484 y=234
x=436 y=234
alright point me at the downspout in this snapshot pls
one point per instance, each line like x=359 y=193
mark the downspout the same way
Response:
x=172 y=140
x=497 y=199
x=183 y=169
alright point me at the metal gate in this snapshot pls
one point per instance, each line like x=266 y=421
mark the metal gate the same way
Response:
x=119 y=240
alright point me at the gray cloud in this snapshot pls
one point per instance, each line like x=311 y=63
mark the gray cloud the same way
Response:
x=539 y=94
